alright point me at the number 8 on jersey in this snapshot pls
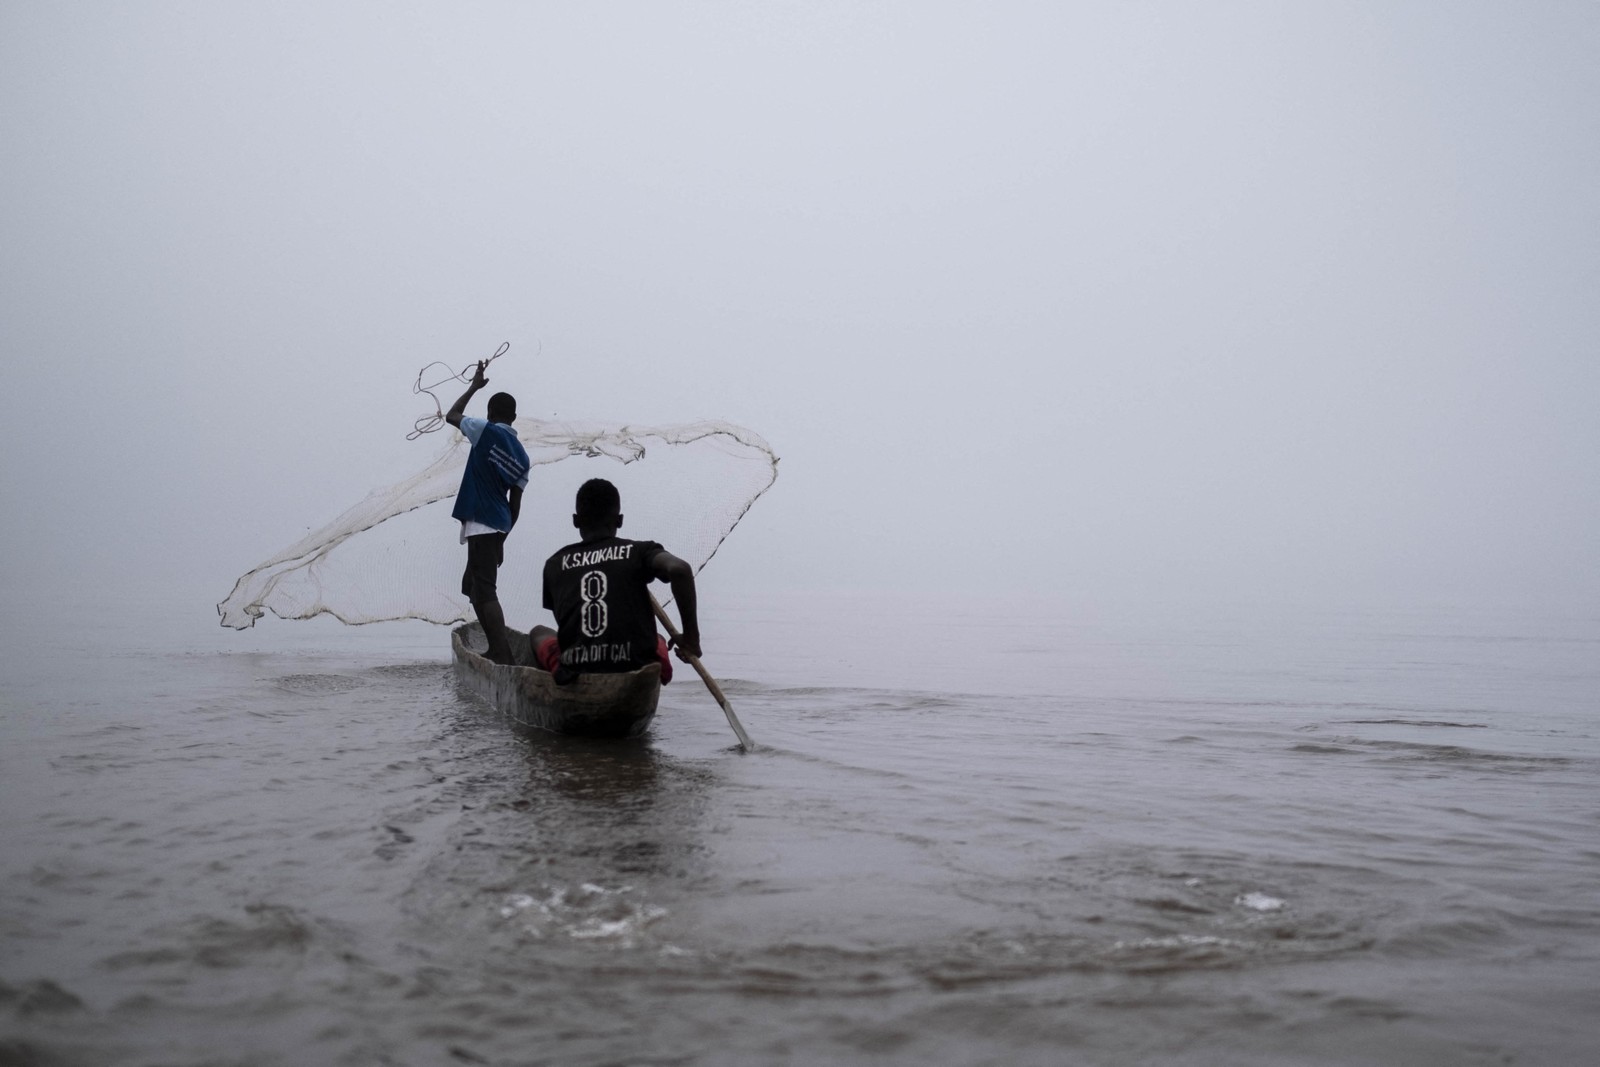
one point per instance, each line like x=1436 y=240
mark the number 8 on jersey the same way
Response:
x=592 y=588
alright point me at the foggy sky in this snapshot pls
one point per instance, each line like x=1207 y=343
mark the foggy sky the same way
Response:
x=1109 y=300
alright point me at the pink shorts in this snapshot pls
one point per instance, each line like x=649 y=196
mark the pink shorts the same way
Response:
x=548 y=655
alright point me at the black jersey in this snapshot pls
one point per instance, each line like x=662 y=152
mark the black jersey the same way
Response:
x=599 y=593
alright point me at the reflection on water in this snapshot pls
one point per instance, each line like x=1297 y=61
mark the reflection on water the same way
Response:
x=607 y=773
x=575 y=844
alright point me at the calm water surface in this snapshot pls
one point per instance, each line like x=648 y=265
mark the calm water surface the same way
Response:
x=1070 y=836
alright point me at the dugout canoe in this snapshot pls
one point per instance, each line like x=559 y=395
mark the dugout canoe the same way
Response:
x=595 y=705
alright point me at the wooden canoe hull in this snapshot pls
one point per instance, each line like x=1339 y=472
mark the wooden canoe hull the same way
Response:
x=595 y=705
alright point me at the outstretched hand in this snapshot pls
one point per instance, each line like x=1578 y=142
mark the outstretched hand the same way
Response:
x=478 y=380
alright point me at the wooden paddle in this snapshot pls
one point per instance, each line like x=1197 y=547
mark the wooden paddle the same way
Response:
x=705 y=676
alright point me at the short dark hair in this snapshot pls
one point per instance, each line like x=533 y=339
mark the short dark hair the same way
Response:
x=502 y=407
x=598 y=500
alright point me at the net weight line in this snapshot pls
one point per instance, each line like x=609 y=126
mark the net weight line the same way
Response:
x=430 y=423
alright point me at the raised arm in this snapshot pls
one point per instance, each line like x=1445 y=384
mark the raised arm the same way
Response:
x=459 y=408
x=670 y=568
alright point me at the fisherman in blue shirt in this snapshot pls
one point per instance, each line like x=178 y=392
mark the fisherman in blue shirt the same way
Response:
x=488 y=503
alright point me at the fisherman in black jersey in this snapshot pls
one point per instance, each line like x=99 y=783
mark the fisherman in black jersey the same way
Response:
x=598 y=590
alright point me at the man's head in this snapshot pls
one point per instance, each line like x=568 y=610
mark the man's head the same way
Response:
x=598 y=508
x=502 y=408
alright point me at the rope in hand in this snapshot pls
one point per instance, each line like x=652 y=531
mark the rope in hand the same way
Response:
x=430 y=423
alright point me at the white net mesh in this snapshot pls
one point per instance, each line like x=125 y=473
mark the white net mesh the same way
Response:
x=396 y=554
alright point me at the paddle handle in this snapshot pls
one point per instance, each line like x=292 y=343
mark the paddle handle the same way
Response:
x=705 y=676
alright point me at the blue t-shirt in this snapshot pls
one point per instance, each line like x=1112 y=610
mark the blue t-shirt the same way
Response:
x=496 y=463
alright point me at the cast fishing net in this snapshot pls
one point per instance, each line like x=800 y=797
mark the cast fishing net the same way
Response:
x=397 y=554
